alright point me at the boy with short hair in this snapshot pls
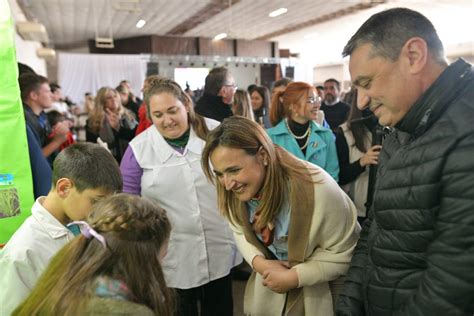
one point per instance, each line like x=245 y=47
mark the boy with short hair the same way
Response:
x=83 y=173
x=36 y=97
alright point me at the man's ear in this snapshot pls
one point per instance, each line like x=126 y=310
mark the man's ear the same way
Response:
x=33 y=95
x=221 y=91
x=415 y=52
x=63 y=187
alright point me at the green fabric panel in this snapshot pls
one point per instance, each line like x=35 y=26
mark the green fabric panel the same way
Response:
x=14 y=157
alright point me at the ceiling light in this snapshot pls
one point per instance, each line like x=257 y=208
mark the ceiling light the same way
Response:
x=140 y=24
x=277 y=12
x=220 y=36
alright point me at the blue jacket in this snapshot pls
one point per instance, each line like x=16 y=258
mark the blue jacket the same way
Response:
x=321 y=149
x=40 y=168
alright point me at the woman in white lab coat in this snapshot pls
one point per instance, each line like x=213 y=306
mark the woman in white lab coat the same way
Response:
x=163 y=164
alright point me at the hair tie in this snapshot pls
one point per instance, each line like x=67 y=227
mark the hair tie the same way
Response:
x=89 y=232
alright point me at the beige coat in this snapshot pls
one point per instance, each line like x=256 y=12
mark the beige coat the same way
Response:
x=323 y=232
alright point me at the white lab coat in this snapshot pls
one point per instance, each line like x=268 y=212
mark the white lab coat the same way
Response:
x=201 y=247
x=27 y=254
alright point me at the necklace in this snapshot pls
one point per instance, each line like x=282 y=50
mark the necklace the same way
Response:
x=305 y=144
x=298 y=137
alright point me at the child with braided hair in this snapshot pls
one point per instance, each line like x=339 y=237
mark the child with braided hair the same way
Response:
x=83 y=173
x=113 y=267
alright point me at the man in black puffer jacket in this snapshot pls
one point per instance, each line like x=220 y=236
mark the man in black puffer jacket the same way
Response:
x=415 y=255
x=219 y=91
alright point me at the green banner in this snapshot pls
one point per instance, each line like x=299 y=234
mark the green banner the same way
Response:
x=16 y=189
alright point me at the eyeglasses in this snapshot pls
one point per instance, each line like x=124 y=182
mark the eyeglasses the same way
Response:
x=316 y=100
x=232 y=85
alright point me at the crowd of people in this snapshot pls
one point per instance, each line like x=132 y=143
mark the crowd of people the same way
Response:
x=144 y=207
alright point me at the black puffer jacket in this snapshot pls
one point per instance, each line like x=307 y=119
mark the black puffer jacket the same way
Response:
x=416 y=252
x=213 y=107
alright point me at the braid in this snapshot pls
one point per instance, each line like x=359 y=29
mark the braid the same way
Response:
x=122 y=221
x=114 y=223
x=135 y=230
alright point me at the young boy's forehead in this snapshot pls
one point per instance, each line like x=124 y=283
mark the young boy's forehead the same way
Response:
x=99 y=192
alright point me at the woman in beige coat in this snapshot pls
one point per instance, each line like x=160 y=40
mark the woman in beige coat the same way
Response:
x=292 y=223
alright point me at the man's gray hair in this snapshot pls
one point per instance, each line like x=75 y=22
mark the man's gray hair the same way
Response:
x=389 y=30
x=215 y=80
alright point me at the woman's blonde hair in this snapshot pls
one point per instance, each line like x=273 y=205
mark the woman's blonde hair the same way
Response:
x=241 y=133
x=97 y=115
x=294 y=93
x=243 y=104
x=165 y=85
x=135 y=229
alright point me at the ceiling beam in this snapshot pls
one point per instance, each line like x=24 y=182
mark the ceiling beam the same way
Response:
x=327 y=17
x=25 y=8
x=213 y=8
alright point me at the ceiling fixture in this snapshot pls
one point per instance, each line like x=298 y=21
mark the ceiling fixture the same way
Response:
x=132 y=6
x=103 y=40
x=141 y=24
x=220 y=36
x=32 y=31
x=46 y=53
x=278 y=12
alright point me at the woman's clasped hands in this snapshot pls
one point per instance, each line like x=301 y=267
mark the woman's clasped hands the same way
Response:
x=277 y=274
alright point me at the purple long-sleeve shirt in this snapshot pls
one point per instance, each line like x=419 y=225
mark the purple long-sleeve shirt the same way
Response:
x=132 y=172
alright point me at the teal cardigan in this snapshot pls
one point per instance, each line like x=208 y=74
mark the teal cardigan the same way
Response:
x=321 y=148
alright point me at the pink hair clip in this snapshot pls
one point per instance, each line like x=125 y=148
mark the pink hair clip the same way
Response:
x=88 y=231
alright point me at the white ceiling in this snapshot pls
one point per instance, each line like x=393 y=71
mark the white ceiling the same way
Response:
x=249 y=19
x=323 y=43
x=69 y=22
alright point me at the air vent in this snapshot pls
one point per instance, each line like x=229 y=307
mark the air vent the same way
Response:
x=132 y=6
x=104 y=42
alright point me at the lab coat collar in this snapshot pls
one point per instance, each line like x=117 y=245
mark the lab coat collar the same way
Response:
x=165 y=151
x=48 y=222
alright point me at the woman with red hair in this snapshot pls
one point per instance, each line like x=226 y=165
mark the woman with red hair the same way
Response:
x=293 y=114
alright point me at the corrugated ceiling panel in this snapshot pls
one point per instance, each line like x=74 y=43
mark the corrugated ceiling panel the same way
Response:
x=69 y=21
